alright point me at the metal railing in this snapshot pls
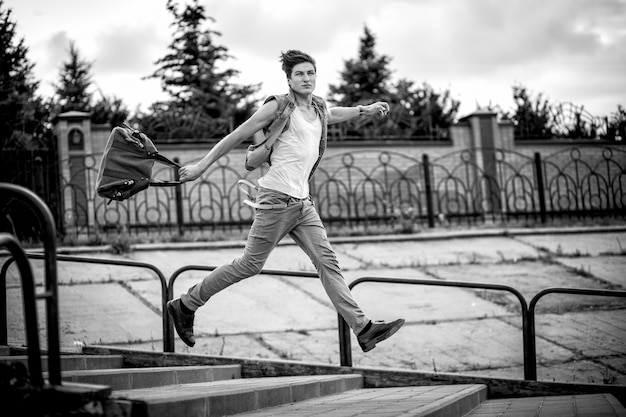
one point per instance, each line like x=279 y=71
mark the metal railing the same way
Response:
x=531 y=344
x=344 y=331
x=166 y=327
x=527 y=310
x=50 y=294
x=30 y=308
x=527 y=313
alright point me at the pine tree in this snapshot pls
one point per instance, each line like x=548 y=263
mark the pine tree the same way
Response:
x=415 y=112
x=20 y=109
x=364 y=79
x=74 y=81
x=191 y=75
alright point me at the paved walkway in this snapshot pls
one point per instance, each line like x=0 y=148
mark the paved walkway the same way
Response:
x=579 y=339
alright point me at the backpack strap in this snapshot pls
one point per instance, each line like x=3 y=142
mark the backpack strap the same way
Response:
x=279 y=123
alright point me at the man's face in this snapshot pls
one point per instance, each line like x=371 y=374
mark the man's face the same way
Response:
x=302 y=78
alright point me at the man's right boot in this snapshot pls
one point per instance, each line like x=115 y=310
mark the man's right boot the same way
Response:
x=183 y=323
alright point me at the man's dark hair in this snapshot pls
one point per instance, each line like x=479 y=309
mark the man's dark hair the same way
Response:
x=292 y=58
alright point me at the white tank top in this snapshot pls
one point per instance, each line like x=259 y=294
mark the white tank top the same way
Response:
x=294 y=155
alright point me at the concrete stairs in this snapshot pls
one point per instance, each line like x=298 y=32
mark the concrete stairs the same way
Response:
x=442 y=400
x=230 y=397
x=185 y=390
x=220 y=390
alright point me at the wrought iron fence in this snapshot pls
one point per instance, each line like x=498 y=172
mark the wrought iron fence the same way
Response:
x=386 y=190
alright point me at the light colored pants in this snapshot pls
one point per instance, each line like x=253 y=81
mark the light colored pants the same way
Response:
x=301 y=221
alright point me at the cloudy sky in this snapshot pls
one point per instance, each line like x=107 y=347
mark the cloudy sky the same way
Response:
x=567 y=50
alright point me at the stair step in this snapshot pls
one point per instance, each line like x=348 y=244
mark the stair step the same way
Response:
x=605 y=405
x=424 y=401
x=134 y=378
x=230 y=397
x=73 y=362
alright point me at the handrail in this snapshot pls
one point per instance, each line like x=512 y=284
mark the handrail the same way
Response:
x=167 y=289
x=50 y=295
x=176 y=274
x=30 y=307
x=556 y=290
x=119 y=262
x=344 y=331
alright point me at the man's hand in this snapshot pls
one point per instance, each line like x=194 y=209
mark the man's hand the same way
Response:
x=189 y=173
x=380 y=108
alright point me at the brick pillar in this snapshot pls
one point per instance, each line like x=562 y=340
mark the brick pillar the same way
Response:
x=73 y=132
x=485 y=139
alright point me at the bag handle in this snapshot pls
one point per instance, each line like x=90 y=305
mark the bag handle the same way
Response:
x=160 y=158
x=154 y=155
x=163 y=183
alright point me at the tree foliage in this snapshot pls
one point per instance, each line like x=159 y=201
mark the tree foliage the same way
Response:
x=537 y=118
x=363 y=79
x=109 y=109
x=22 y=113
x=421 y=111
x=72 y=92
x=203 y=97
x=75 y=79
x=416 y=112
x=532 y=118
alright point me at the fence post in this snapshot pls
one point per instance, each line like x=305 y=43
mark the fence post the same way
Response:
x=178 y=195
x=540 y=187
x=345 y=347
x=428 y=191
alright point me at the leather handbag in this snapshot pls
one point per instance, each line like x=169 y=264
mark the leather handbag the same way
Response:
x=126 y=166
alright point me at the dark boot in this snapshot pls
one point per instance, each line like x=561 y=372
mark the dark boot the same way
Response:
x=183 y=323
x=377 y=331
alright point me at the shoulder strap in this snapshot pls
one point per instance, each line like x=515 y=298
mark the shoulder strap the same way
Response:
x=277 y=126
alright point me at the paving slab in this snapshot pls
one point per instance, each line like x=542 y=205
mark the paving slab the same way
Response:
x=95 y=314
x=593 y=244
x=81 y=273
x=440 y=347
x=602 y=333
x=261 y=303
x=453 y=347
x=439 y=252
x=596 y=371
x=283 y=257
x=611 y=269
x=530 y=277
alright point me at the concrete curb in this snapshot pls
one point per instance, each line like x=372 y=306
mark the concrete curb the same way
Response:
x=417 y=237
